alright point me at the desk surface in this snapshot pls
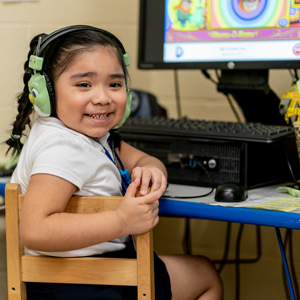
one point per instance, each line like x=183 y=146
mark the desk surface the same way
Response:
x=241 y=212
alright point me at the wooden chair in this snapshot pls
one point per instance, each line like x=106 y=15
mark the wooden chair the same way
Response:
x=85 y=270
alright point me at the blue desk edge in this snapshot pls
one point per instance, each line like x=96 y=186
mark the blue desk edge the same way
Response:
x=229 y=214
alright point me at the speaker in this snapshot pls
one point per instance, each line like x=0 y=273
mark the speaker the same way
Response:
x=144 y=104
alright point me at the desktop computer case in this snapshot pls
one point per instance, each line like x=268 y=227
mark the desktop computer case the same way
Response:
x=252 y=164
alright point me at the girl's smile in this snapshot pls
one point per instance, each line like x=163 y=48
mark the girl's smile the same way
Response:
x=98 y=116
x=91 y=92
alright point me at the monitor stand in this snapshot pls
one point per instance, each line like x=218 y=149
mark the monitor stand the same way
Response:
x=251 y=91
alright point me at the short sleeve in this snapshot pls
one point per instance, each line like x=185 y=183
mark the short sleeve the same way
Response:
x=65 y=157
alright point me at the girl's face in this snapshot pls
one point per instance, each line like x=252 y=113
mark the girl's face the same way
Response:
x=91 y=93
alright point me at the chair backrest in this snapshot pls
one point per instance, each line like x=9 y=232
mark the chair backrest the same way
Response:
x=85 y=270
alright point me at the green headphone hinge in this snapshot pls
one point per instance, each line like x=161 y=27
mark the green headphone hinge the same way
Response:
x=36 y=62
x=126 y=59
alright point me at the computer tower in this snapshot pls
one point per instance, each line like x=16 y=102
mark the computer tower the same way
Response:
x=199 y=161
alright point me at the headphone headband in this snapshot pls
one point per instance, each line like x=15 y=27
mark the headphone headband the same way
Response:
x=36 y=61
x=60 y=32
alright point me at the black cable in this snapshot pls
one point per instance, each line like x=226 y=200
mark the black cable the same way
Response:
x=296 y=75
x=206 y=74
x=218 y=75
x=293 y=77
x=237 y=261
x=290 y=167
x=226 y=248
x=177 y=94
x=233 y=108
x=249 y=260
x=187 y=244
x=197 y=196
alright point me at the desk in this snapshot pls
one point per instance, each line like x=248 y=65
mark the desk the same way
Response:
x=208 y=208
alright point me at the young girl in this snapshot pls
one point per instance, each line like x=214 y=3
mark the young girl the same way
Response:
x=76 y=80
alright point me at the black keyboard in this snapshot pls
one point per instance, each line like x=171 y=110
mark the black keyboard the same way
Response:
x=255 y=132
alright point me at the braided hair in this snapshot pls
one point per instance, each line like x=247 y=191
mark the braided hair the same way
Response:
x=57 y=57
x=25 y=108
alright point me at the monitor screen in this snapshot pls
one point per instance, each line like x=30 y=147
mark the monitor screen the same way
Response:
x=218 y=34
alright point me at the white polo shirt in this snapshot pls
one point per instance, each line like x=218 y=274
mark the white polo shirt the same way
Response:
x=52 y=148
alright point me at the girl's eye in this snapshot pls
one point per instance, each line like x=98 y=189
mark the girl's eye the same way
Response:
x=115 y=85
x=83 y=84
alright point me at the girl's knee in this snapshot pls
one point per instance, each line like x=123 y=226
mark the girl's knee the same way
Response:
x=198 y=273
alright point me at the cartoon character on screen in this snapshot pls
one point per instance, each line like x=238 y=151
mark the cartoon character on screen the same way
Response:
x=249 y=5
x=197 y=18
x=292 y=99
x=294 y=15
x=183 y=11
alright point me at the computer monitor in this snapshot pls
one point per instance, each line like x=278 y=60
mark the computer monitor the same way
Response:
x=242 y=38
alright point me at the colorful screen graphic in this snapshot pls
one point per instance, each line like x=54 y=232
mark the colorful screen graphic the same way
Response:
x=199 y=21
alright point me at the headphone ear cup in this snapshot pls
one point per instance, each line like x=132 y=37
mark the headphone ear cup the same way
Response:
x=38 y=95
x=127 y=109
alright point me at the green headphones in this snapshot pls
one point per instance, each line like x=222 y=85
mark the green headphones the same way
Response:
x=41 y=91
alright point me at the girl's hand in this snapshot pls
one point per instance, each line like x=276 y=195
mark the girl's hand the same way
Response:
x=139 y=214
x=150 y=176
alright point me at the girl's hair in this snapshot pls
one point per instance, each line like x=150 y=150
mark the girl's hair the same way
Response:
x=58 y=55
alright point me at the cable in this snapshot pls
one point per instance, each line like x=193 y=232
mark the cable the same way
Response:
x=233 y=108
x=186 y=243
x=289 y=166
x=197 y=196
x=296 y=75
x=218 y=75
x=206 y=74
x=177 y=94
x=226 y=248
x=249 y=260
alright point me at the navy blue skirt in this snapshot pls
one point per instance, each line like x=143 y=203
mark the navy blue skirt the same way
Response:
x=58 y=291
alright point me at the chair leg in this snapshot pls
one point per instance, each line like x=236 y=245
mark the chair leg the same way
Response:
x=146 y=289
x=16 y=288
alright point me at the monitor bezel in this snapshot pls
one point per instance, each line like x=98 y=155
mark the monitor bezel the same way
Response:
x=155 y=27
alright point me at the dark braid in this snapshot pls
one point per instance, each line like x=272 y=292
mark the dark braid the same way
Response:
x=25 y=107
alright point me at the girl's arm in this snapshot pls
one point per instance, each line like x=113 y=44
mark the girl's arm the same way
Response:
x=149 y=169
x=45 y=227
